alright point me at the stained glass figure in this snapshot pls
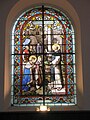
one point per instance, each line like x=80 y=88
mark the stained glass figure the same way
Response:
x=43 y=59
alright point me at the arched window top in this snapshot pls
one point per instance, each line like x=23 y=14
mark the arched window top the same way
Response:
x=43 y=59
x=35 y=18
x=52 y=14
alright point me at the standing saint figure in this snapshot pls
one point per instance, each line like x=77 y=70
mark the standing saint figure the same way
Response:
x=38 y=72
x=58 y=83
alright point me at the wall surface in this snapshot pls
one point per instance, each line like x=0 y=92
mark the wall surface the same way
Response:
x=82 y=8
x=5 y=6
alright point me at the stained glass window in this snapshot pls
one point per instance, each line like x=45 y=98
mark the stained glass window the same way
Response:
x=43 y=59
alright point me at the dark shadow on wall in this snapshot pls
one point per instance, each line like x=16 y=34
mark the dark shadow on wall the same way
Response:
x=46 y=116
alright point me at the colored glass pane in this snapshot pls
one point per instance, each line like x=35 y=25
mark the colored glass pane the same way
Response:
x=43 y=59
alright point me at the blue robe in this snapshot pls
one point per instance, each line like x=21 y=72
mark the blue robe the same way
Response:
x=26 y=79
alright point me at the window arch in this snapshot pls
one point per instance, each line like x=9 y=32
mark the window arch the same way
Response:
x=43 y=59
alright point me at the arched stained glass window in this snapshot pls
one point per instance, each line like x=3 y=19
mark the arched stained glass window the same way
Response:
x=43 y=59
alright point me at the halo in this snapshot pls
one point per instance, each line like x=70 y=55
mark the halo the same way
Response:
x=56 y=46
x=33 y=57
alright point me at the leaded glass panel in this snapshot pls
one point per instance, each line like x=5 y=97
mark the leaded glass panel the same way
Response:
x=43 y=59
